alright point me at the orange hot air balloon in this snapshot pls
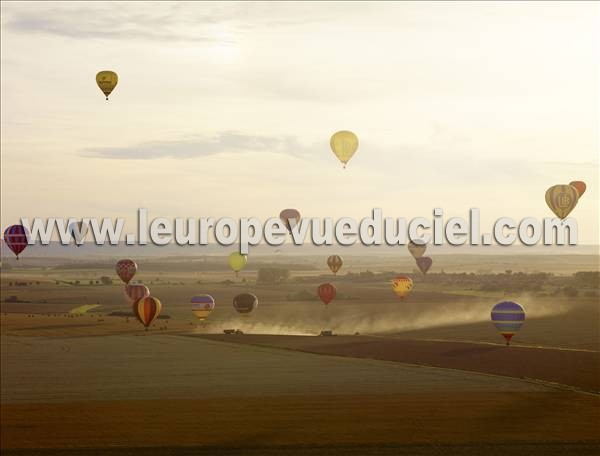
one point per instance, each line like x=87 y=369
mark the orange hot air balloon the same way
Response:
x=402 y=286
x=579 y=186
x=146 y=310
x=290 y=218
x=126 y=269
x=335 y=262
x=562 y=199
x=424 y=263
x=327 y=292
x=136 y=291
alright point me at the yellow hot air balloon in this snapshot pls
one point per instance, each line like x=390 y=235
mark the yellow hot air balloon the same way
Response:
x=107 y=81
x=402 y=286
x=562 y=199
x=344 y=144
x=237 y=262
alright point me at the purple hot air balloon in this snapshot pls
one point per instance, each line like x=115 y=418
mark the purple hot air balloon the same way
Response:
x=508 y=317
x=424 y=263
x=15 y=237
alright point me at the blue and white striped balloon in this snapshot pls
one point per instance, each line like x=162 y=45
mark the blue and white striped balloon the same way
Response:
x=508 y=317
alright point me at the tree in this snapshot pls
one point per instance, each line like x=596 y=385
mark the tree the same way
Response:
x=272 y=275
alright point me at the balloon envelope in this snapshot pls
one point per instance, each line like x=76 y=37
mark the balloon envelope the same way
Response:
x=15 y=237
x=327 y=292
x=245 y=303
x=344 y=145
x=78 y=231
x=402 y=286
x=202 y=306
x=126 y=269
x=147 y=309
x=335 y=262
x=134 y=292
x=237 y=261
x=417 y=248
x=290 y=218
x=579 y=186
x=107 y=81
x=424 y=263
x=562 y=199
x=508 y=317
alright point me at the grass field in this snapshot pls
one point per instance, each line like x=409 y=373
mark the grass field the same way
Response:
x=427 y=375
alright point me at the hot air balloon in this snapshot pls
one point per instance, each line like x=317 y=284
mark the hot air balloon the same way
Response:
x=245 y=303
x=327 y=292
x=335 y=262
x=78 y=231
x=579 y=186
x=402 y=286
x=417 y=248
x=237 y=262
x=126 y=269
x=202 y=306
x=562 y=199
x=146 y=310
x=15 y=237
x=344 y=145
x=508 y=317
x=107 y=81
x=424 y=263
x=134 y=292
x=290 y=218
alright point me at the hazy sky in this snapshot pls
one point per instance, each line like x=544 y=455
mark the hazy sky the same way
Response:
x=227 y=109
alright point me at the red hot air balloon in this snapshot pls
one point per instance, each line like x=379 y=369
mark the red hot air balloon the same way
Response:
x=126 y=269
x=327 y=292
x=146 y=310
x=579 y=186
x=15 y=237
x=424 y=263
x=136 y=291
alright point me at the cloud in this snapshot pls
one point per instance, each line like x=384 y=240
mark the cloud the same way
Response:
x=160 y=22
x=157 y=22
x=226 y=142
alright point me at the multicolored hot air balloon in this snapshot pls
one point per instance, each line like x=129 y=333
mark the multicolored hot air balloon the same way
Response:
x=290 y=218
x=15 y=237
x=508 y=317
x=237 y=262
x=136 y=291
x=327 y=292
x=417 y=248
x=402 y=286
x=202 y=306
x=424 y=263
x=245 y=303
x=344 y=145
x=335 y=262
x=146 y=310
x=78 y=231
x=126 y=269
x=107 y=81
x=579 y=186
x=562 y=199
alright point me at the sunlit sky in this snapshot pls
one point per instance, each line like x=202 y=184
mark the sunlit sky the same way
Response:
x=226 y=109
